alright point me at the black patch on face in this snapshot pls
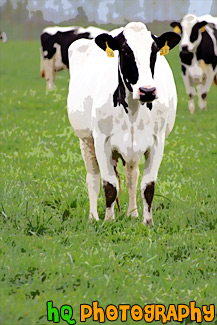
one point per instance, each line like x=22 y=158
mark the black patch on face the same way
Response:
x=154 y=50
x=64 y=39
x=186 y=57
x=110 y=193
x=183 y=69
x=128 y=65
x=205 y=50
x=149 y=194
x=194 y=34
x=204 y=95
x=120 y=94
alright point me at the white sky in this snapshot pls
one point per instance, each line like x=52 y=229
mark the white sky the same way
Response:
x=116 y=11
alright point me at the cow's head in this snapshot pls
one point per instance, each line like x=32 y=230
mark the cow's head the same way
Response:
x=137 y=56
x=191 y=30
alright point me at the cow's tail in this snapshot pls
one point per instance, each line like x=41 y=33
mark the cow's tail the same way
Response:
x=215 y=80
x=119 y=182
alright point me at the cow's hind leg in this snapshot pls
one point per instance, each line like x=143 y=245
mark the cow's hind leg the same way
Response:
x=93 y=175
x=109 y=178
x=132 y=175
x=203 y=90
x=152 y=164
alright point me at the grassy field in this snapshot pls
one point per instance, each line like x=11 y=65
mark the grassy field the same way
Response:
x=48 y=249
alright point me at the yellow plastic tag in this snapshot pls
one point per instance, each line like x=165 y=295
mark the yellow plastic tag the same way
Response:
x=177 y=30
x=109 y=51
x=202 y=29
x=165 y=49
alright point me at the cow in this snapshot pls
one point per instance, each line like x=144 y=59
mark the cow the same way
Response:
x=198 y=55
x=122 y=105
x=55 y=42
x=3 y=37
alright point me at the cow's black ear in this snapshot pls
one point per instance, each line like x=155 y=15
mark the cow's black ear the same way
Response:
x=167 y=41
x=177 y=27
x=105 y=40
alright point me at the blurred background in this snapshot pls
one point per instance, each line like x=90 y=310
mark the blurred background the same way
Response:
x=25 y=19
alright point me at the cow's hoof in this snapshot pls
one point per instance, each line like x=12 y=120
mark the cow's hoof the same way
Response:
x=148 y=222
x=92 y=217
x=191 y=108
x=133 y=213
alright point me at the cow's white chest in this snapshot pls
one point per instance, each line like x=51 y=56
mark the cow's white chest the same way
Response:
x=129 y=134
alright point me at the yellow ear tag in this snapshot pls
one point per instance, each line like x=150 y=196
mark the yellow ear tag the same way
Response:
x=109 y=51
x=165 y=49
x=202 y=29
x=177 y=30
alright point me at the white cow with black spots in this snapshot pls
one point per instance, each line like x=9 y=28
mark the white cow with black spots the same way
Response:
x=55 y=41
x=122 y=104
x=198 y=54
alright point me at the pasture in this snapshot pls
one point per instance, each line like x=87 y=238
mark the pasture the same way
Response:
x=49 y=250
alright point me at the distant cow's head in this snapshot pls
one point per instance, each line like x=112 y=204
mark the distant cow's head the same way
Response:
x=191 y=31
x=137 y=55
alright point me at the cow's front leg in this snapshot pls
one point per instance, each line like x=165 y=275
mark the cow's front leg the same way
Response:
x=49 y=73
x=109 y=179
x=190 y=91
x=203 y=89
x=132 y=175
x=152 y=163
x=93 y=175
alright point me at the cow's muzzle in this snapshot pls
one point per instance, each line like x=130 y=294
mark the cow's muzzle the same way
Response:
x=147 y=95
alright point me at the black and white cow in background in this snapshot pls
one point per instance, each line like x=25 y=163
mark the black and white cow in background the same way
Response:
x=55 y=42
x=3 y=37
x=198 y=54
x=122 y=104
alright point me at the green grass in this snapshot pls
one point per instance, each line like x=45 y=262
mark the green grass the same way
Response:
x=49 y=250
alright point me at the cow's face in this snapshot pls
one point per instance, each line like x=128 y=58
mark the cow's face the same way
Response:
x=137 y=56
x=191 y=31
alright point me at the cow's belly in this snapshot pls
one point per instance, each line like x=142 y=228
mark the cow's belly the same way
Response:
x=132 y=144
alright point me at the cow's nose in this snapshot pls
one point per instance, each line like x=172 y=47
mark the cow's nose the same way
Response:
x=185 y=48
x=147 y=94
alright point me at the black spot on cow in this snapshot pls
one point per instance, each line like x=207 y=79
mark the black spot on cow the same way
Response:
x=149 y=105
x=191 y=96
x=64 y=39
x=47 y=42
x=128 y=65
x=205 y=50
x=120 y=94
x=183 y=69
x=153 y=56
x=186 y=57
x=204 y=95
x=110 y=193
x=149 y=194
